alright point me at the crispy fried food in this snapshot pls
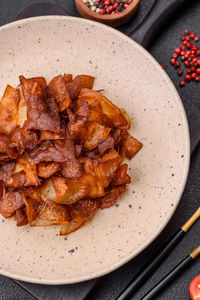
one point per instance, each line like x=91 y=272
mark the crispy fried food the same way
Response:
x=64 y=191
x=23 y=139
x=67 y=78
x=111 y=196
x=28 y=167
x=58 y=90
x=11 y=201
x=61 y=152
x=107 y=144
x=121 y=176
x=96 y=134
x=52 y=214
x=45 y=152
x=6 y=170
x=79 y=82
x=33 y=208
x=28 y=83
x=50 y=135
x=70 y=168
x=41 y=114
x=129 y=145
x=113 y=114
x=80 y=212
x=81 y=107
x=47 y=169
x=21 y=216
x=9 y=110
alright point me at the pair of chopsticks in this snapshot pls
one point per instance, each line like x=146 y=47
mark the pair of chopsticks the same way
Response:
x=140 y=278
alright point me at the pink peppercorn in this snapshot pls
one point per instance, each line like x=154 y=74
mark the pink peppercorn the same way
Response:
x=187 y=77
x=192 y=36
x=182 y=83
x=179 y=72
x=197 y=78
x=182 y=47
x=194 y=47
x=186 y=62
x=177 y=50
x=188 y=52
x=194 y=75
x=173 y=61
x=182 y=37
x=102 y=11
x=174 y=55
x=194 y=60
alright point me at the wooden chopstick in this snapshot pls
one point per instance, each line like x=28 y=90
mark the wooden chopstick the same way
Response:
x=160 y=285
x=140 y=278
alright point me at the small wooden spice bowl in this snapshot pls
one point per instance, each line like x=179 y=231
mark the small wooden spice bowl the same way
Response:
x=114 y=20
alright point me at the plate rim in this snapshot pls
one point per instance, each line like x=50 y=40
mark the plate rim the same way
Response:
x=187 y=155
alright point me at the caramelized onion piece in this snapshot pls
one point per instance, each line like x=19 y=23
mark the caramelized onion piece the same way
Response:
x=11 y=201
x=111 y=197
x=47 y=169
x=52 y=214
x=121 y=176
x=129 y=145
x=9 y=110
x=79 y=82
x=80 y=212
x=41 y=114
x=58 y=90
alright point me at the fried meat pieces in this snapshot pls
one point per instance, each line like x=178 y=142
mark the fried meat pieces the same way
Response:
x=61 y=151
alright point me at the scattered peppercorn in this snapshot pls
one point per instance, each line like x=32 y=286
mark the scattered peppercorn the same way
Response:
x=194 y=75
x=198 y=78
x=182 y=82
x=187 y=77
x=107 y=6
x=180 y=72
x=188 y=53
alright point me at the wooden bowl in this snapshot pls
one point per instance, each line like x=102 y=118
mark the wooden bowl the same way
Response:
x=114 y=20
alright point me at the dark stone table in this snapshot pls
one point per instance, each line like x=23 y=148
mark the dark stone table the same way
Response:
x=109 y=286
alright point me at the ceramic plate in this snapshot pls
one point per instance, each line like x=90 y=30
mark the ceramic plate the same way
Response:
x=131 y=78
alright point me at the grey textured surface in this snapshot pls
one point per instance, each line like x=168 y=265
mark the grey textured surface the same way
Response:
x=110 y=285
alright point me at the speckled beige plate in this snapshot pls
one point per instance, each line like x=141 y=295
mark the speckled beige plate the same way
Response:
x=46 y=46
